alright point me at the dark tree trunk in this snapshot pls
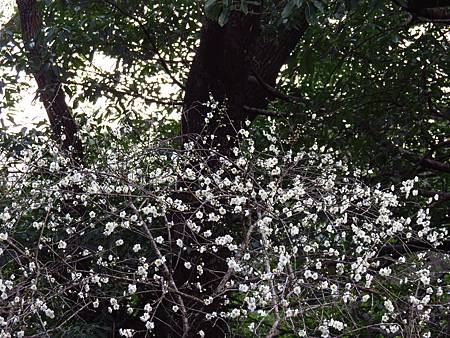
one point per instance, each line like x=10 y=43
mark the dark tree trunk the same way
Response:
x=234 y=65
x=432 y=10
x=63 y=125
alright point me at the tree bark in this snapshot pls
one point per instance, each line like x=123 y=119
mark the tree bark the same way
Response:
x=234 y=65
x=64 y=128
x=432 y=10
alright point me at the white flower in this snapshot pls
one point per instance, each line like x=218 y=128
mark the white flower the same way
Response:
x=175 y=308
x=263 y=194
x=114 y=303
x=145 y=317
x=128 y=333
x=49 y=313
x=243 y=288
x=232 y=264
x=324 y=330
x=136 y=247
x=235 y=313
x=334 y=289
x=385 y=272
x=132 y=289
x=62 y=245
x=338 y=325
x=389 y=306
x=180 y=242
x=54 y=166
x=159 y=240
x=187 y=265
x=159 y=262
x=109 y=228
x=307 y=274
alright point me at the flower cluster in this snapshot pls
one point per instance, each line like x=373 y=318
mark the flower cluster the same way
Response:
x=265 y=240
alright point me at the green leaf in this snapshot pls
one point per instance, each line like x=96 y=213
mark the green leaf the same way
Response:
x=212 y=9
x=307 y=62
x=244 y=7
x=287 y=10
x=310 y=12
x=223 y=17
x=319 y=5
x=210 y=4
x=351 y=4
x=339 y=12
x=376 y=4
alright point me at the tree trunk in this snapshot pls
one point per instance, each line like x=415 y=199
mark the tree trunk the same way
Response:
x=432 y=10
x=63 y=125
x=234 y=65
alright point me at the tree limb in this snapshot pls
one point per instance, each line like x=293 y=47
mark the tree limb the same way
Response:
x=266 y=112
x=398 y=250
x=432 y=10
x=50 y=88
x=435 y=165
